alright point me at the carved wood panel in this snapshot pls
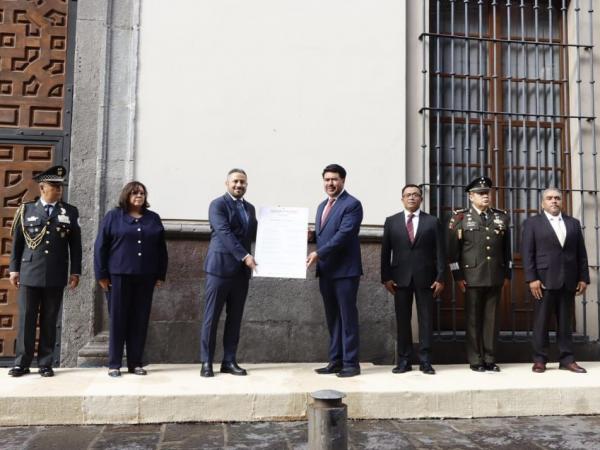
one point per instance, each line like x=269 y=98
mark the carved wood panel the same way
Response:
x=33 y=61
x=18 y=164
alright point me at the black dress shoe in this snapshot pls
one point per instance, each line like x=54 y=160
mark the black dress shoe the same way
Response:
x=491 y=367
x=114 y=373
x=329 y=368
x=427 y=368
x=18 y=371
x=573 y=367
x=348 y=372
x=46 y=371
x=403 y=366
x=139 y=370
x=207 y=371
x=477 y=367
x=232 y=368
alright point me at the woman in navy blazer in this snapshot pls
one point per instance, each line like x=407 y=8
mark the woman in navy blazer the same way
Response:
x=130 y=260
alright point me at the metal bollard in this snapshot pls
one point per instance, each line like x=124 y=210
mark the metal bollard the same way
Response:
x=327 y=417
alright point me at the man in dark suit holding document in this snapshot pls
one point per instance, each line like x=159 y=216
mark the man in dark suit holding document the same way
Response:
x=228 y=268
x=339 y=268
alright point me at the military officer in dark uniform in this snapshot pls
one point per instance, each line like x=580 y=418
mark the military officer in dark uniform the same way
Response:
x=46 y=237
x=480 y=260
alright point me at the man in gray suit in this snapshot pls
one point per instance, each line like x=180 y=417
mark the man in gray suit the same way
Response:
x=46 y=237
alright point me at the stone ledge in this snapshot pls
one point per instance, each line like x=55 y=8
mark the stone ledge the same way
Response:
x=200 y=229
x=176 y=393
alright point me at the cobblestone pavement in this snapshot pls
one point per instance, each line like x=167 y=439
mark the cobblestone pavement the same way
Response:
x=573 y=432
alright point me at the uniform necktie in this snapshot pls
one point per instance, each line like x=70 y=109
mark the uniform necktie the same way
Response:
x=410 y=228
x=483 y=217
x=327 y=210
x=48 y=209
x=242 y=212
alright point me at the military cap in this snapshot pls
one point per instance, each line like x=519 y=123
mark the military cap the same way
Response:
x=55 y=174
x=479 y=184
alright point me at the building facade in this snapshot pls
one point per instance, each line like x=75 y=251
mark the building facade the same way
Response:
x=432 y=92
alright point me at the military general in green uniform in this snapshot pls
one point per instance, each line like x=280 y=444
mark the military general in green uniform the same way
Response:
x=480 y=260
x=46 y=256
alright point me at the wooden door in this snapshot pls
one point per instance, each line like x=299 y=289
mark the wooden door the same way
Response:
x=35 y=101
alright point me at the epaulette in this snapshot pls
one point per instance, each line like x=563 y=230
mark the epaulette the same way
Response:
x=457 y=216
x=502 y=211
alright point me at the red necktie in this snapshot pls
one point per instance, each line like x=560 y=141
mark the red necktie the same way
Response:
x=327 y=210
x=410 y=229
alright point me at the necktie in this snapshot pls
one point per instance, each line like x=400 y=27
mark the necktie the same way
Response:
x=48 y=209
x=483 y=217
x=327 y=210
x=242 y=212
x=410 y=228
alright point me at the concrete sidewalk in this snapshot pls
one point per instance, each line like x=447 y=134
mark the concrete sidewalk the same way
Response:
x=176 y=393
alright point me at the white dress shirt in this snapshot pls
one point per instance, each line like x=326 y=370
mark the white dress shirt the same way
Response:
x=558 y=224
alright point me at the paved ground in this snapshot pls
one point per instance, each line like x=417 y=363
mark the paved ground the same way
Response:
x=557 y=432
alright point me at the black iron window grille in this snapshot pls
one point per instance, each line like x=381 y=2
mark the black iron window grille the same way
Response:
x=508 y=92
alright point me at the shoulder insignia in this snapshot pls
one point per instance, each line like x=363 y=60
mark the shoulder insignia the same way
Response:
x=460 y=211
x=501 y=211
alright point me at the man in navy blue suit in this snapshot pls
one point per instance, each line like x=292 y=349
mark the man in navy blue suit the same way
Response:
x=556 y=269
x=228 y=268
x=339 y=269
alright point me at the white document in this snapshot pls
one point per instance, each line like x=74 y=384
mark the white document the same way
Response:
x=281 y=242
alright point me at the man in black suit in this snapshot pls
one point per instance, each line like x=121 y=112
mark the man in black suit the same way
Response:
x=46 y=256
x=228 y=268
x=556 y=268
x=413 y=263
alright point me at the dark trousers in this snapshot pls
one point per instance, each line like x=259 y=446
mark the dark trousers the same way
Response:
x=481 y=305
x=129 y=305
x=46 y=302
x=559 y=301
x=339 y=297
x=403 y=304
x=231 y=293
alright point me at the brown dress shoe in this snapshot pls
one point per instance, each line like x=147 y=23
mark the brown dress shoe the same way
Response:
x=539 y=367
x=573 y=367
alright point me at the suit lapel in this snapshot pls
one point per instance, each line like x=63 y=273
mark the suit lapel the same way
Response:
x=402 y=227
x=320 y=209
x=40 y=209
x=569 y=228
x=56 y=209
x=335 y=208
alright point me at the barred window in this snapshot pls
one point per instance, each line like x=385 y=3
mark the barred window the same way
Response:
x=499 y=105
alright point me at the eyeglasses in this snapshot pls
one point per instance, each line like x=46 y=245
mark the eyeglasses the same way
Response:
x=411 y=195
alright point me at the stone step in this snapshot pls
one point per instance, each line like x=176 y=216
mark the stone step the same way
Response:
x=176 y=393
